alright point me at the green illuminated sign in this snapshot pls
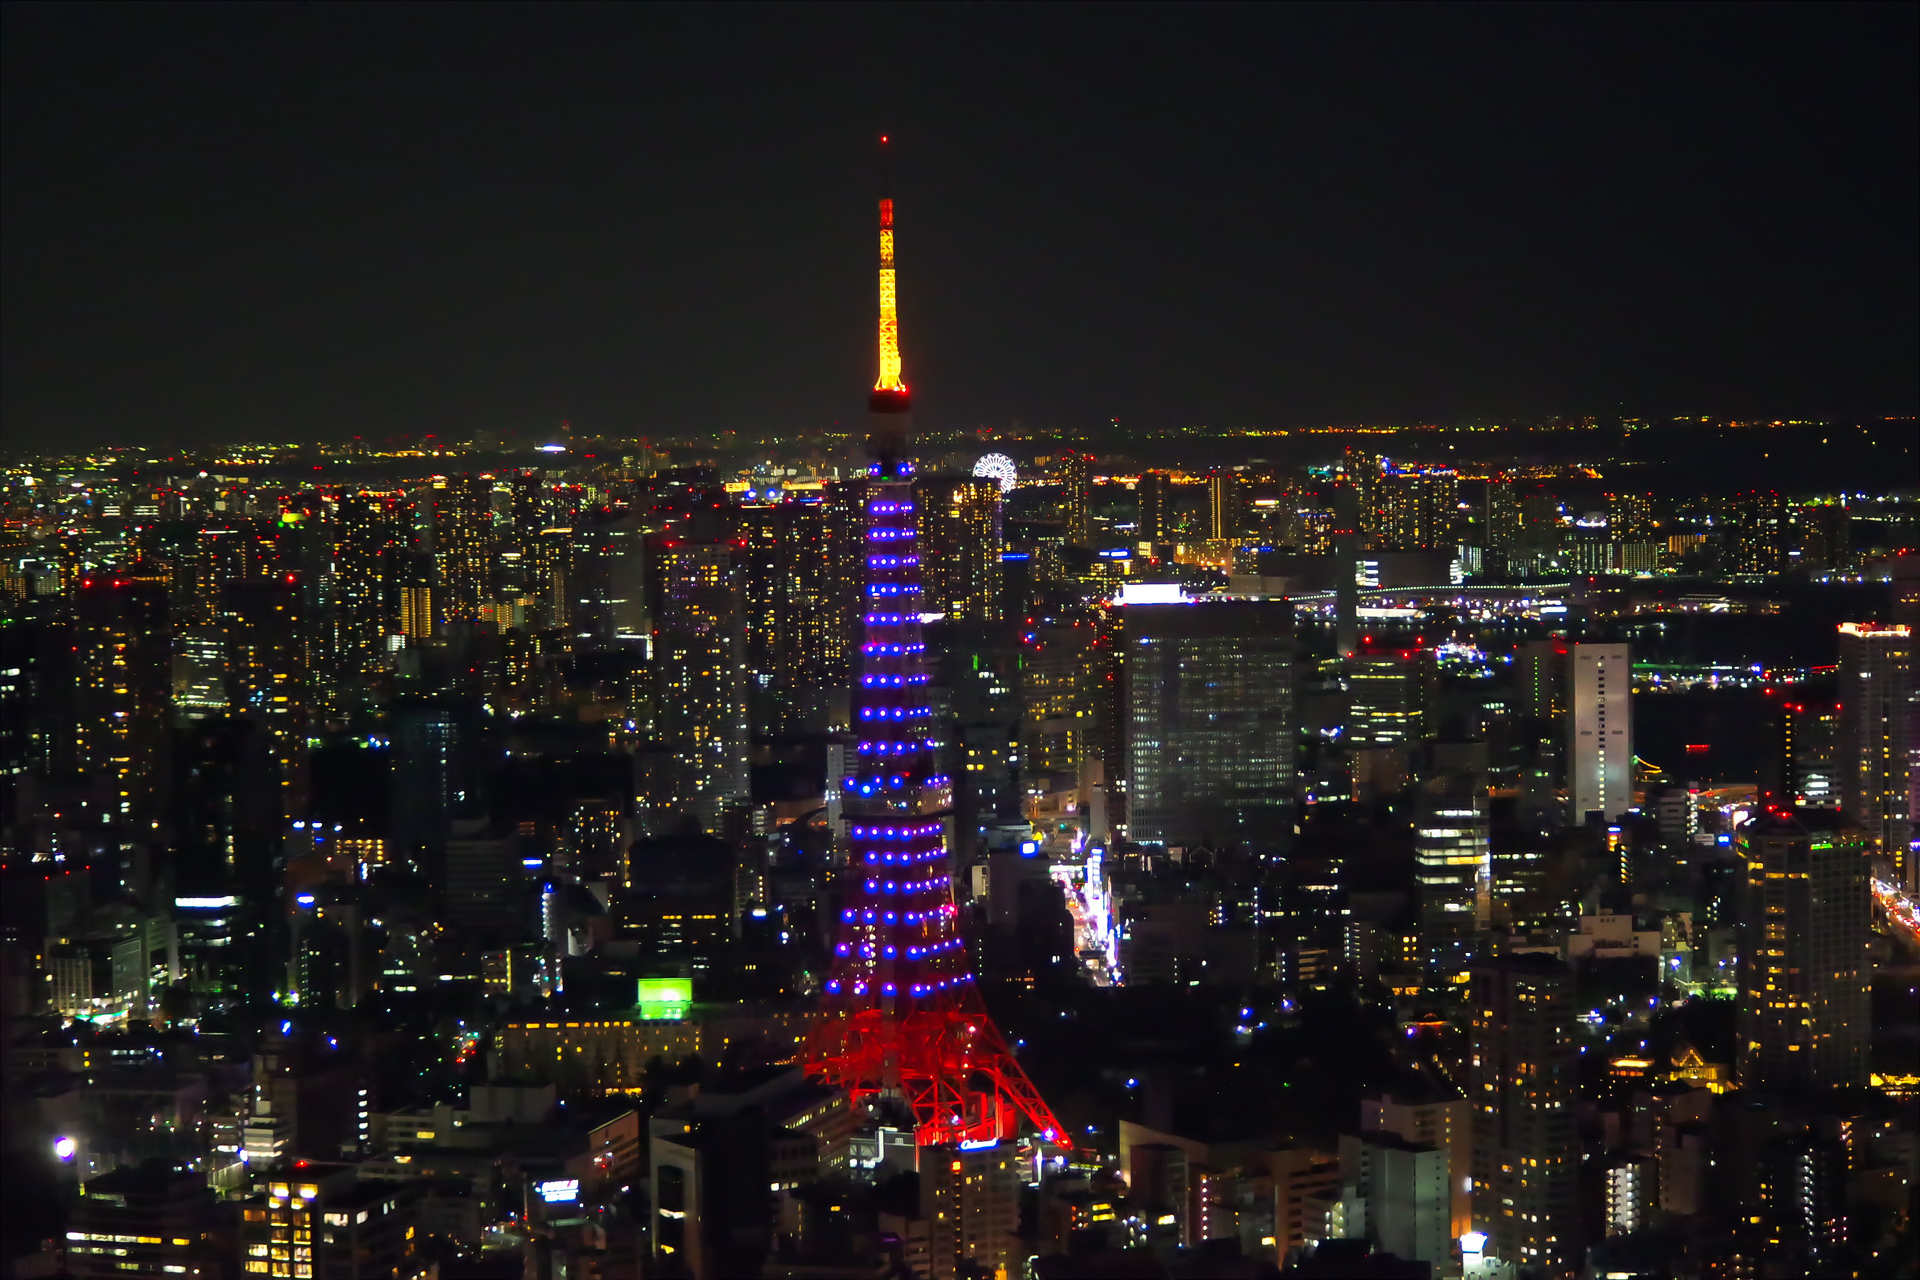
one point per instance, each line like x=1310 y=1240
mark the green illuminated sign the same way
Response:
x=665 y=999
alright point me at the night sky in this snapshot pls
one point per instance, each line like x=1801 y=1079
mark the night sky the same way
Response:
x=285 y=222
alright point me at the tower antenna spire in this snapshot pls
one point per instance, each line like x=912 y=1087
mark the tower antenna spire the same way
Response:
x=890 y=406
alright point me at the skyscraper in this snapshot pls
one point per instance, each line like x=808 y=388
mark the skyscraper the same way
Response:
x=792 y=623
x=462 y=510
x=1210 y=721
x=1058 y=693
x=1414 y=509
x=1454 y=871
x=607 y=585
x=267 y=666
x=1803 y=1015
x=1073 y=472
x=1876 y=681
x=1600 y=732
x=700 y=668
x=1385 y=695
x=1156 y=517
x=366 y=533
x=960 y=543
x=123 y=700
x=1521 y=1084
x=1226 y=505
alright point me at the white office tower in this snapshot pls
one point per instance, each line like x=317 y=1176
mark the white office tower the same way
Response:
x=1601 y=748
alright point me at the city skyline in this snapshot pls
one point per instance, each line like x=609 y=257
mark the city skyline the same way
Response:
x=897 y=849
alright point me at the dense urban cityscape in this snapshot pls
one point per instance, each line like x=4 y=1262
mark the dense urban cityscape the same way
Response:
x=1456 y=849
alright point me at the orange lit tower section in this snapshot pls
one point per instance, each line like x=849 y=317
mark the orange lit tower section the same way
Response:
x=900 y=1016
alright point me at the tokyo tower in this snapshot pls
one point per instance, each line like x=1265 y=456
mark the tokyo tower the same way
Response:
x=900 y=1016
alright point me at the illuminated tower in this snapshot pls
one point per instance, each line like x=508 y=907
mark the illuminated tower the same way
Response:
x=900 y=1016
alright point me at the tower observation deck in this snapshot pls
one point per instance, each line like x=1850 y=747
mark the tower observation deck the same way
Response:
x=900 y=1016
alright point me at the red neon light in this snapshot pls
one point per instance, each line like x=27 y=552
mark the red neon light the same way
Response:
x=1697 y=748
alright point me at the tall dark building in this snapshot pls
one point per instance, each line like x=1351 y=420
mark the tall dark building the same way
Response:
x=1073 y=472
x=700 y=668
x=793 y=625
x=123 y=655
x=1210 y=721
x=1521 y=1087
x=367 y=531
x=266 y=652
x=1876 y=681
x=1454 y=869
x=1156 y=516
x=1226 y=505
x=227 y=866
x=462 y=511
x=607 y=584
x=1803 y=1015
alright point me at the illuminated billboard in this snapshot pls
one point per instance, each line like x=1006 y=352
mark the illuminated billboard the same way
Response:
x=665 y=999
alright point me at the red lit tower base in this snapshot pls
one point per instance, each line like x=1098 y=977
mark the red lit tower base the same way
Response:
x=900 y=1016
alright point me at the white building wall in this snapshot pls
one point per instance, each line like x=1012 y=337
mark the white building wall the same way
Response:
x=1601 y=751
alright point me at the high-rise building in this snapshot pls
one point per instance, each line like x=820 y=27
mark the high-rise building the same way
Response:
x=1454 y=870
x=546 y=569
x=1445 y=1123
x=1600 y=731
x=1226 y=505
x=337 y=1226
x=367 y=532
x=1209 y=704
x=1060 y=713
x=971 y=1199
x=1630 y=517
x=1761 y=534
x=226 y=860
x=1394 y=1192
x=1503 y=519
x=462 y=512
x=1803 y=968
x=700 y=668
x=960 y=545
x=1871 y=751
x=1414 y=509
x=1522 y=1087
x=1825 y=536
x=1073 y=472
x=1386 y=695
x=794 y=624
x=423 y=795
x=607 y=585
x=148 y=1220
x=266 y=652
x=1156 y=515
x=124 y=695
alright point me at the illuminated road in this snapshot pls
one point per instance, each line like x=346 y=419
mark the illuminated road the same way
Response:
x=1092 y=921
x=1899 y=909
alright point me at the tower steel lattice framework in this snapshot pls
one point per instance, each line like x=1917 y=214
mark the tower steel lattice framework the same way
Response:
x=900 y=1016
